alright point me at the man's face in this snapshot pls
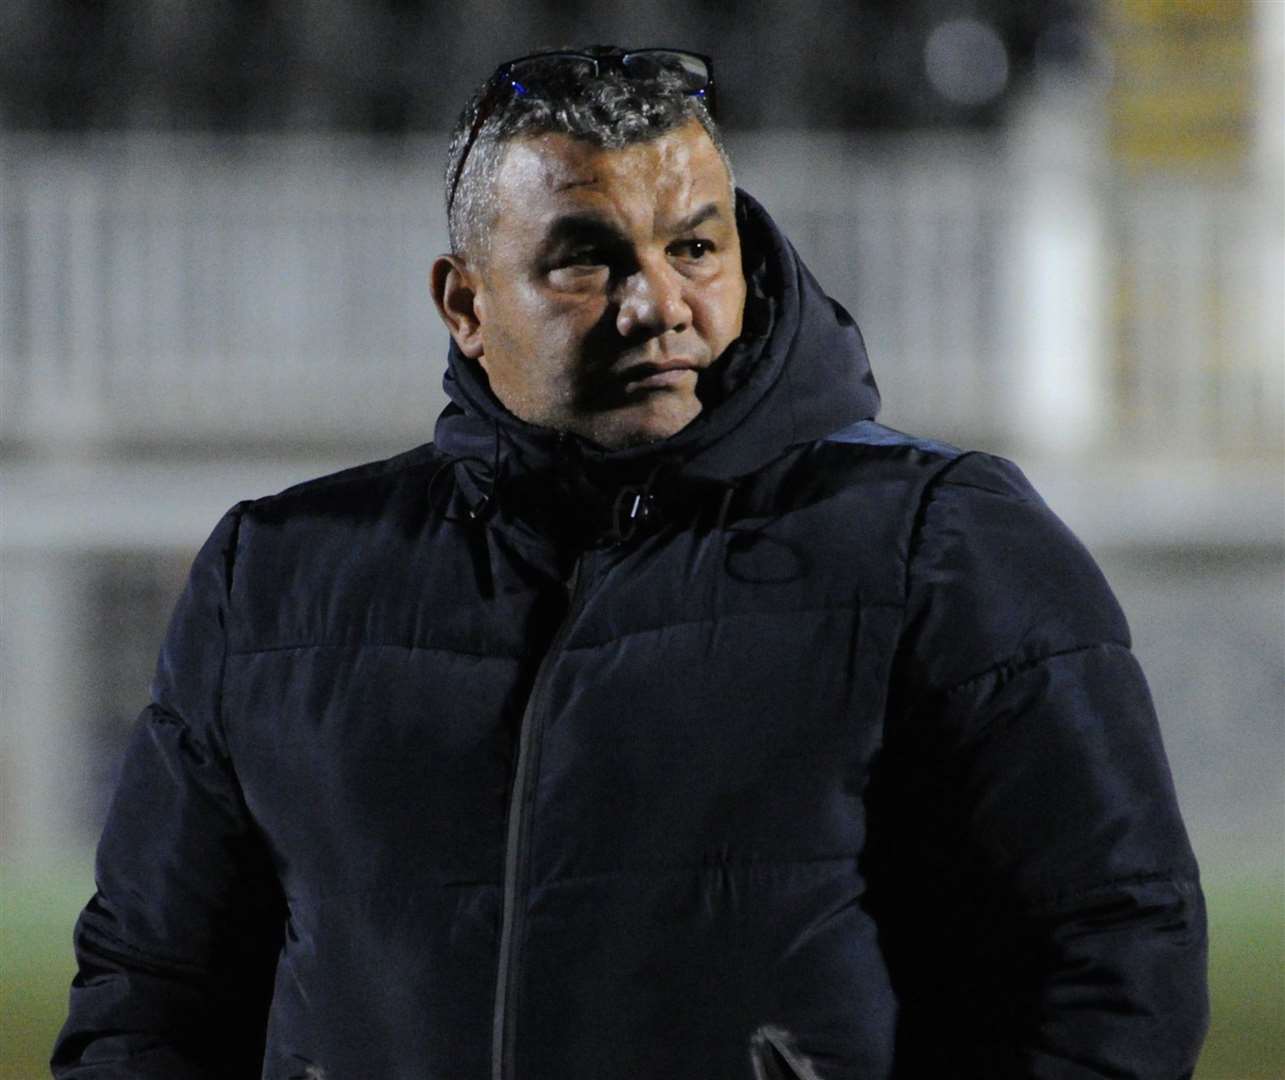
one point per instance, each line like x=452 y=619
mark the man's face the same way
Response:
x=612 y=277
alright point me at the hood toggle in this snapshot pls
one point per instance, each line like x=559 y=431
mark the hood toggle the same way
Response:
x=633 y=507
x=637 y=505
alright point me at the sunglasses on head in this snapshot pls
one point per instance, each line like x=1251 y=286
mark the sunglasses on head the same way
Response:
x=530 y=76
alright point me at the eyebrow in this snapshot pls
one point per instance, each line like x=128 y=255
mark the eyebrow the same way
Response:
x=709 y=210
x=576 y=226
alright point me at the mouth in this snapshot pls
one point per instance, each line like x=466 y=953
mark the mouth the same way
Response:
x=660 y=375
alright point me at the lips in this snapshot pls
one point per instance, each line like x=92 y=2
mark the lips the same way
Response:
x=660 y=375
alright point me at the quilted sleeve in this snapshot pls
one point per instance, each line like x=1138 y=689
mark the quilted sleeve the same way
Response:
x=1042 y=904
x=178 y=946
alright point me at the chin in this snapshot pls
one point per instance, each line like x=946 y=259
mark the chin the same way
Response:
x=639 y=425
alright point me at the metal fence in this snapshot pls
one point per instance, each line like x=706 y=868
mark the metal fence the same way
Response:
x=183 y=289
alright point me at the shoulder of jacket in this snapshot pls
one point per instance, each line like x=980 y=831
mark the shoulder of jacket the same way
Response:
x=990 y=473
x=942 y=463
x=929 y=466
x=871 y=433
x=346 y=485
x=987 y=553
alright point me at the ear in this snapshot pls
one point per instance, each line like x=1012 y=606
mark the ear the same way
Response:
x=455 y=292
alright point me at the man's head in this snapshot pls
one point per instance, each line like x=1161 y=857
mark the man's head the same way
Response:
x=596 y=264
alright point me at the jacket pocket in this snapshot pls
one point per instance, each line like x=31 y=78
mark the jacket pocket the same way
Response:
x=775 y=1057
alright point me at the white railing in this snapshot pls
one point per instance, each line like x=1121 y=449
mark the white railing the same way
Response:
x=169 y=290
x=178 y=289
x=1201 y=272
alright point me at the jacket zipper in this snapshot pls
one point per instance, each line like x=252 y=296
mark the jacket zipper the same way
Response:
x=503 y=1021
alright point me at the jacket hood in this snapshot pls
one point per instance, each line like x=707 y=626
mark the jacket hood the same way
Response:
x=798 y=372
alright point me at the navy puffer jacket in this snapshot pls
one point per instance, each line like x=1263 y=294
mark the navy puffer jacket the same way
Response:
x=788 y=747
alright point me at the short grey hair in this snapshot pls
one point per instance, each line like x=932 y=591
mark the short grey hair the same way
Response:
x=610 y=111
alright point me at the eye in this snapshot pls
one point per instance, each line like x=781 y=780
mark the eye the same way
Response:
x=693 y=248
x=584 y=257
x=577 y=268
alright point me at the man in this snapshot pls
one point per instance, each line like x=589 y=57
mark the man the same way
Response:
x=666 y=717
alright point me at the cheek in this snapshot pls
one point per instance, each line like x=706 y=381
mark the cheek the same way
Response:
x=721 y=309
x=540 y=335
x=537 y=350
x=509 y=330
x=568 y=327
x=501 y=348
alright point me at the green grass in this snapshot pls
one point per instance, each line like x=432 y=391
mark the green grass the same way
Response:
x=1247 y=975
x=37 y=912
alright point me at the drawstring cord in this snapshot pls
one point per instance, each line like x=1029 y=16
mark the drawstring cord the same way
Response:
x=634 y=505
x=486 y=504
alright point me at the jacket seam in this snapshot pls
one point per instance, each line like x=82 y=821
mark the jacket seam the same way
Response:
x=409 y=646
x=919 y=522
x=914 y=540
x=1013 y=667
x=412 y=646
x=1004 y=493
x=685 y=868
x=658 y=869
x=775 y=615
x=1180 y=882
x=125 y=951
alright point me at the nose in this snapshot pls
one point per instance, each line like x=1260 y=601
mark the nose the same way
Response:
x=652 y=301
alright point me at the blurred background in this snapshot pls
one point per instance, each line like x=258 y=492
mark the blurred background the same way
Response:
x=1060 y=226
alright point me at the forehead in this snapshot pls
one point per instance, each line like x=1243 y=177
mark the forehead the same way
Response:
x=543 y=177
